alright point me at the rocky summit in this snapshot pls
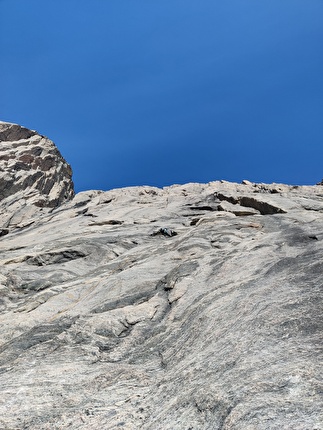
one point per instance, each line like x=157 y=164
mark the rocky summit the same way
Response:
x=191 y=307
x=33 y=174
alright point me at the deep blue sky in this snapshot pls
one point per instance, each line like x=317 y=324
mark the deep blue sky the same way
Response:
x=144 y=92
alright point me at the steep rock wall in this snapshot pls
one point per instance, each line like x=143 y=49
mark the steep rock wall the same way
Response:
x=189 y=307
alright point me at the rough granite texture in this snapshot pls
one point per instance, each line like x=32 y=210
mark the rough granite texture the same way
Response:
x=191 y=307
x=33 y=175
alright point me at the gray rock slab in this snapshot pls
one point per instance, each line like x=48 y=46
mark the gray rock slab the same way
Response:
x=237 y=209
x=105 y=324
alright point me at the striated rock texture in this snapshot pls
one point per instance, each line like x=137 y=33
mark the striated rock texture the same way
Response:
x=33 y=175
x=190 y=307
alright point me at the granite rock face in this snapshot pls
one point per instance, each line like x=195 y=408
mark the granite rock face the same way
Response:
x=33 y=175
x=195 y=306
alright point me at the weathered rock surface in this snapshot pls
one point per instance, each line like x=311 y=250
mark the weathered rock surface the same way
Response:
x=190 y=307
x=33 y=175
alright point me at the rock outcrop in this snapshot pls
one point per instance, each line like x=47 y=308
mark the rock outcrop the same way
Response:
x=33 y=175
x=195 y=306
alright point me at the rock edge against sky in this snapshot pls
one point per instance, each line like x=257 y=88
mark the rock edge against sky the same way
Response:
x=195 y=306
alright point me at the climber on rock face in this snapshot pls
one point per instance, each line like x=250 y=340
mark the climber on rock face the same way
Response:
x=168 y=232
x=165 y=231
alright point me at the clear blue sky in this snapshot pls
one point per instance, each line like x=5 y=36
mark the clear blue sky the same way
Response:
x=144 y=92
